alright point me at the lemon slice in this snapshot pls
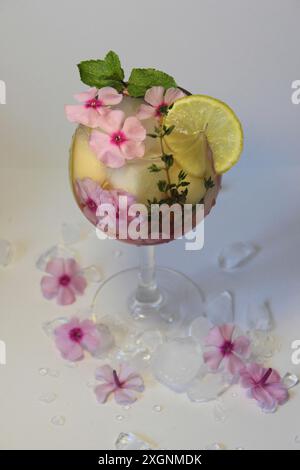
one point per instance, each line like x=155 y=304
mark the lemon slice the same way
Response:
x=197 y=115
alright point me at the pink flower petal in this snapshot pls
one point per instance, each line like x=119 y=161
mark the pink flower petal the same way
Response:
x=133 y=129
x=103 y=391
x=99 y=143
x=132 y=149
x=233 y=364
x=173 y=94
x=113 y=158
x=105 y=373
x=227 y=331
x=56 y=267
x=155 y=95
x=71 y=267
x=49 y=286
x=278 y=391
x=112 y=121
x=213 y=358
x=255 y=371
x=90 y=215
x=82 y=115
x=91 y=339
x=214 y=337
x=274 y=377
x=109 y=96
x=70 y=351
x=65 y=296
x=135 y=383
x=263 y=397
x=86 y=95
x=125 y=397
x=241 y=346
x=78 y=283
x=145 y=112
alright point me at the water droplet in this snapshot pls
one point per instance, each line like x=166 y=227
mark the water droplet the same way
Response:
x=220 y=412
x=92 y=274
x=236 y=255
x=215 y=446
x=126 y=407
x=6 y=253
x=118 y=253
x=157 y=408
x=130 y=441
x=48 y=397
x=290 y=380
x=234 y=395
x=58 y=420
x=43 y=371
x=53 y=373
x=120 y=417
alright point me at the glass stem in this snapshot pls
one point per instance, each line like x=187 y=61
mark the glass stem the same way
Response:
x=147 y=290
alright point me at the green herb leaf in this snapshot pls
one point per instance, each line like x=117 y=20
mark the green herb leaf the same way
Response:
x=100 y=73
x=142 y=79
x=154 y=136
x=168 y=130
x=208 y=183
x=168 y=160
x=154 y=168
x=162 y=185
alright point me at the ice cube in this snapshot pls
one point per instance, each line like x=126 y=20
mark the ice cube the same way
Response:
x=57 y=251
x=176 y=363
x=237 y=254
x=130 y=441
x=199 y=329
x=49 y=326
x=93 y=274
x=259 y=317
x=150 y=339
x=290 y=380
x=6 y=253
x=107 y=341
x=263 y=345
x=219 y=309
x=71 y=233
x=207 y=386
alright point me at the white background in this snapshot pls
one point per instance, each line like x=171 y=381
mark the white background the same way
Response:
x=244 y=52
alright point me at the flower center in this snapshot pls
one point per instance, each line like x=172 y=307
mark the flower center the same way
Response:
x=64 y=280
x=91 y=205
x=116 y=379
x=94 y=103
x=118 y=138
x=227 y=348
x=162 y=109
x=76 y=334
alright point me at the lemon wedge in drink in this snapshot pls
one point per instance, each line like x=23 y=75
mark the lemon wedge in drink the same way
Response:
x=197 y=118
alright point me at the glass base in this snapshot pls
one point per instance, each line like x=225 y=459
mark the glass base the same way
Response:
x=174 y=304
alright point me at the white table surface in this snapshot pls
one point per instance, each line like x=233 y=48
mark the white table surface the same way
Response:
x=244 y=52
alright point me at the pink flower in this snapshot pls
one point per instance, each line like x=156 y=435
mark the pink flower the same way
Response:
x=159 y=101
x=91 y=196
x=264 y=385
x=121 y=140
x=225 y=349
x=122 y=384
x=74 y=337
x=65 y=281
x=94 y=104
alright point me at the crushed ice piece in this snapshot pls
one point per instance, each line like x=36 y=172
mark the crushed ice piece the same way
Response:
x=220 y=412
x=58 y=420
x=199 y=329
x=71 y=233
x=157 y=408
x=290 y=380
x=93 y=274
x=130 y=441
x=263 y=345
x=150 y=339
x=57 y=251
x=47 y=397
x=49 y=326
x=215 y=446
x=176 y=363
x=259 y=317
x=236 y=255
x=207 y=386
x=6 y=253
x=107 y=341
x=120 y=417
x=53 y=373
x=219 y=309
x=43 y=371
x=117 y=253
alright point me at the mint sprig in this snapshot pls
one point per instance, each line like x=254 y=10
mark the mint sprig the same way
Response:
x=108 y=72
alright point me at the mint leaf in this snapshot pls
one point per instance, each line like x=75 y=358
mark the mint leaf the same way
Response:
x=113 y=62
x=100 y=73
x=142 y=79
